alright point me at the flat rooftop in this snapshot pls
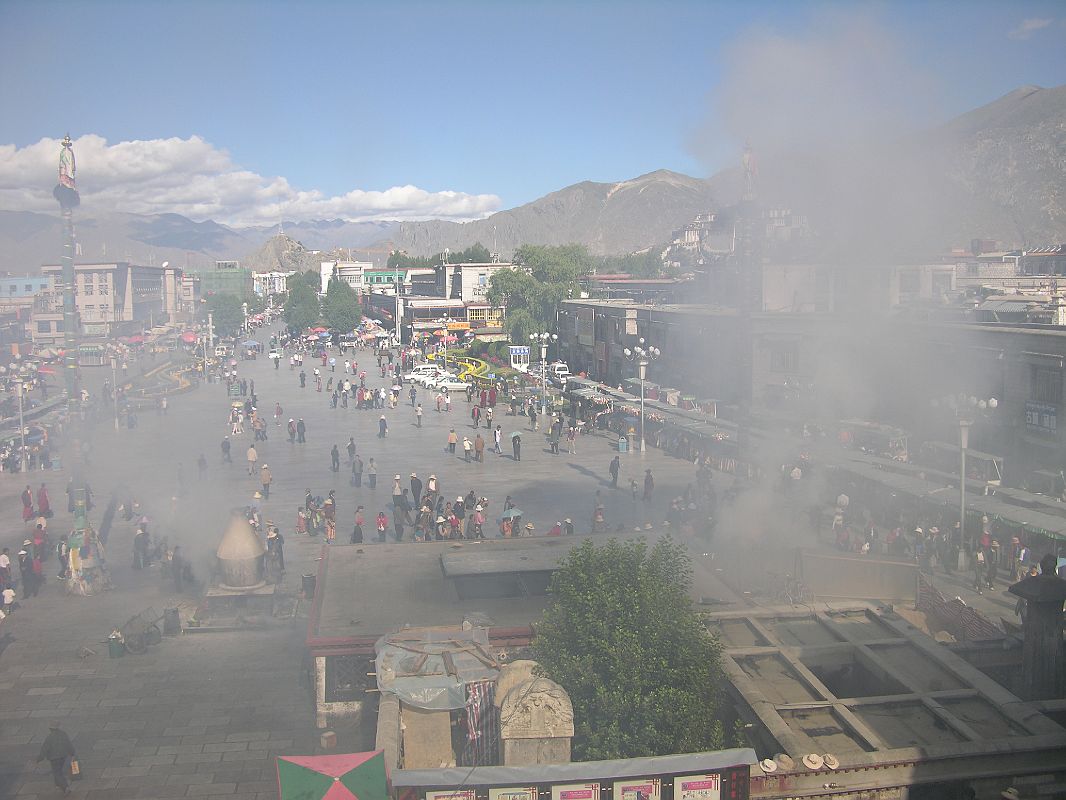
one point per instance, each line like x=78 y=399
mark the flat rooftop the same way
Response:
x=369 y=590
x=863 y=684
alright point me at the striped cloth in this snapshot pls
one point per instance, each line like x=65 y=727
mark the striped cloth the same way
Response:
x=482 y=725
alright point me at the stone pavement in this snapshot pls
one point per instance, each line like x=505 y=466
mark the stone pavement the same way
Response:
x=203 y=714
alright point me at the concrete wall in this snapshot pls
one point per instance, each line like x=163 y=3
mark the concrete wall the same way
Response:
x=858 y=578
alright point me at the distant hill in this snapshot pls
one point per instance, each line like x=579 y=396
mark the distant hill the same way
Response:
x=996 y=172
x=29 y=239
x=608 y=217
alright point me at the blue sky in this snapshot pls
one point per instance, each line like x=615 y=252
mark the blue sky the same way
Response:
x=499 y=101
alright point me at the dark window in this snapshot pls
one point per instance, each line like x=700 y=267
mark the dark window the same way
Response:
x=783 y=358
x=345 y=678
x=1045 y=385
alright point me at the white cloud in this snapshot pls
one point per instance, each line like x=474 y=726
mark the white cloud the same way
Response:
x=1028 y=27
x=194 y=178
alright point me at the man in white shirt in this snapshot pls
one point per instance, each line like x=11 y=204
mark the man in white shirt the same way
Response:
x=5 y=568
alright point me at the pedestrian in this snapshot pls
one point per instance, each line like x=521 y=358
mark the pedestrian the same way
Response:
x=418 y=415
x=383 y=427
x=468 y=448
x=479 y=447
x=266 y=478
x=27 y=504
x=357 y=531
x=372 y=474
x=44 y=503
x=56 y=750
x=357 y=471
x=613 y=469
x=516 y=446
x=447 y=402
x=276 y=549
x=497 y=438
x=382 y=524
x=226 y=450
x=351 y=449
x=413 y=394
x=453 y=440
x=649 y=485
x=301 y=431
x=292 y=431
x=416 y=489
x=335 y=459
x=571 y=440
x=979 y=570
x=252 y=457
x=177 y=569
x=201 y=466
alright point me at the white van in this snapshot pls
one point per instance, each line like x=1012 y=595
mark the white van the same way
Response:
x=223 y=351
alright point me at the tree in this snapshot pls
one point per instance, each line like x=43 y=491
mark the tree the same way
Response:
x=301 y=308
x=341 y=309
x=227 y=313
x=648 y=264
x=311 y=279
x=544 y=278
x=622 y=638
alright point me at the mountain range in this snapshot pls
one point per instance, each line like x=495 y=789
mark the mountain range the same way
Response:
x=997 y=172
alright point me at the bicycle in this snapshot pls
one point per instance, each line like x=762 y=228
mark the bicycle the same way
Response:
x=795 y=592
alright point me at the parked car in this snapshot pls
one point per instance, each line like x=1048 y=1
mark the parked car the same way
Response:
x=453 y=385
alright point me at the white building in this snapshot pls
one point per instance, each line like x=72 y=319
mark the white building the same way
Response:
x=351 y=272
x=471 y=281
x=265 y=284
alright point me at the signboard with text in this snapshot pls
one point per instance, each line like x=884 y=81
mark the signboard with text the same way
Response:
x=638 y=789
x=698 y=787
x=1041 y=418
x=576 y=791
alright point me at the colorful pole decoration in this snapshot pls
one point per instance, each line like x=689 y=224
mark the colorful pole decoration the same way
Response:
x=66 y=193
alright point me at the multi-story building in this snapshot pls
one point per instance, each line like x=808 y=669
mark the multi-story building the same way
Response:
x=351 y=272
x=265 y=284
x=110 y=297
x=467 y=281
x=228 y=277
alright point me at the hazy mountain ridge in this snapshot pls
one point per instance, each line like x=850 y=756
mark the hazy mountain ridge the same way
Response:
x=998 y=171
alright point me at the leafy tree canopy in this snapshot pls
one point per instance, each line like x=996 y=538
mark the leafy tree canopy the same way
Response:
x=341 y=308
x=545 y=277
x=622 y=638
x=311 y=279
x=477 y=253
x=648 y=264
x=227 y=313
x=301 y=308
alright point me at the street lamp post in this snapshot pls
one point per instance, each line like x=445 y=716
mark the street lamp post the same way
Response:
x=114 y=387
x=642 y=356
x=444 y=322
x=544 y=339
x=22 y=427
x=964 y=442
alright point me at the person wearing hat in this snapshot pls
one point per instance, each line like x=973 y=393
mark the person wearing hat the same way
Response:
x=275 y=549
x=416 y=489
x=30 y=585
x=478 y=523
x=56 y=749
x=265 y=478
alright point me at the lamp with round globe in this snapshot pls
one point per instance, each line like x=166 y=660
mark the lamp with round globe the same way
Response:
x=642 y=356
